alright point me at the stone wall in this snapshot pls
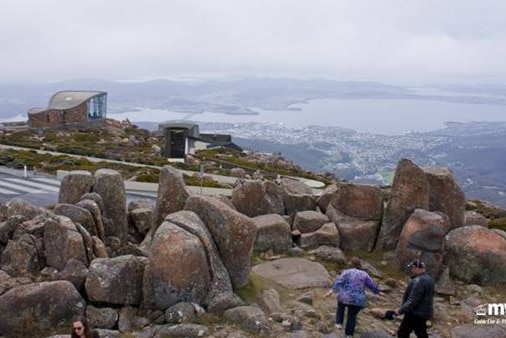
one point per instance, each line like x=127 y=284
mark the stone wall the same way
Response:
x=56 y=118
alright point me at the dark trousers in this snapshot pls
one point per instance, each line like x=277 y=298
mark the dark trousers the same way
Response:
x=351 y=321
x=412 y=323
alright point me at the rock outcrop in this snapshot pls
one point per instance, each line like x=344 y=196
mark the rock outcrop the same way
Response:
x=255 y=198
x=158 y=268
x=476 y=254
x=172 y=194
x=233 y=233
x=410 y=191
x=445 y=195
x=35 y=309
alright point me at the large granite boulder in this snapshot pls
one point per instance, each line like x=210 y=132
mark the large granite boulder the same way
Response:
x=74 y=185
x=110 y=186
x=255 y=198
x=77 y=215
x=101 y=317
x=326 y=196
x=63 y=241
x=422 y=237
x=17 y=206
x=22 y=257
x=476 y=255
x=233 y=233
x=39 y=309
x=410 y=191
x=446 y=195
x=172 y=194
x=96 y=213
x=251 y=319
x=354 y=234
x=273 y=233
x=359 y=200
x=309 y=221
x=294 y=273
x=220 y=296
x=75 y=272
x=327 y=235
x=297 y=196
x=116 y=280
x=167 y=279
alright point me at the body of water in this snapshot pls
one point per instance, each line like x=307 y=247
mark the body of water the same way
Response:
x=379 y=116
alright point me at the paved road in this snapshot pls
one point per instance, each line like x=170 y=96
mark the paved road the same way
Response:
x=43 y=190
x=219 y=178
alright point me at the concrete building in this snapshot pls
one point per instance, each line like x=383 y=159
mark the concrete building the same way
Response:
x=185 y=138
x=71 y=109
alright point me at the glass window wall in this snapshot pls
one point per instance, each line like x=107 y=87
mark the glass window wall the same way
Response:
x=97 y=107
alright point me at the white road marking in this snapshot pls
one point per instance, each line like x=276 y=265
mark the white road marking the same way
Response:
x=34 y=184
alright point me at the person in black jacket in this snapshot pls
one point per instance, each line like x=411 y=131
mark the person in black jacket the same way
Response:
x=417 y=302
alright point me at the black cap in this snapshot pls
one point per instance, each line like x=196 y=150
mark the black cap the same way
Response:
x=415 y=264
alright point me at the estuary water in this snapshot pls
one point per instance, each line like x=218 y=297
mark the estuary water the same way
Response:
x=378 y=116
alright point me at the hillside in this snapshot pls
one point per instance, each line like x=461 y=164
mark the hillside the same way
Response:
x=126 y=143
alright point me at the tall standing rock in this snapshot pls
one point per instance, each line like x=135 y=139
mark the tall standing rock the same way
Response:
x=177 y=269
x=233 y=232
x=410 y=191
x=74 y=185
x=110 y=186
x=172 y=194
x=446 y=195
x=220 y=295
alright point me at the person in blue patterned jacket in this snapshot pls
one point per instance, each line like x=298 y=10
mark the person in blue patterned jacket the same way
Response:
x=350 y=289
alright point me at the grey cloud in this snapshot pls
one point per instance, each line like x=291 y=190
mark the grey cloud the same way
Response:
x=57 y=39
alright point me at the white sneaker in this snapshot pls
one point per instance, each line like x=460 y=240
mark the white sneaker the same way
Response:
x=339 y=326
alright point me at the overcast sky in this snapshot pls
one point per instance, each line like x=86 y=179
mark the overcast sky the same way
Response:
x=382 y=40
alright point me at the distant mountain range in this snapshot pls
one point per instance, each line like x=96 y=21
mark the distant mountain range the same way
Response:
x=232 y=96
x=474 y=151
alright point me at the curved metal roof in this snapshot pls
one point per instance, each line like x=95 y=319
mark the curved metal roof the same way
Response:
x=181 y=125
x=36 y=110
x=68 y=99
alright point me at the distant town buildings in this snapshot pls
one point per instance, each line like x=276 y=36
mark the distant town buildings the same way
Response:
x=71 y=109
x=185 y=138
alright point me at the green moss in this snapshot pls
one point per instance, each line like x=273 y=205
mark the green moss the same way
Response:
x=207 y=182
x=149 y=178
x=253 y=290
x=498 y=223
